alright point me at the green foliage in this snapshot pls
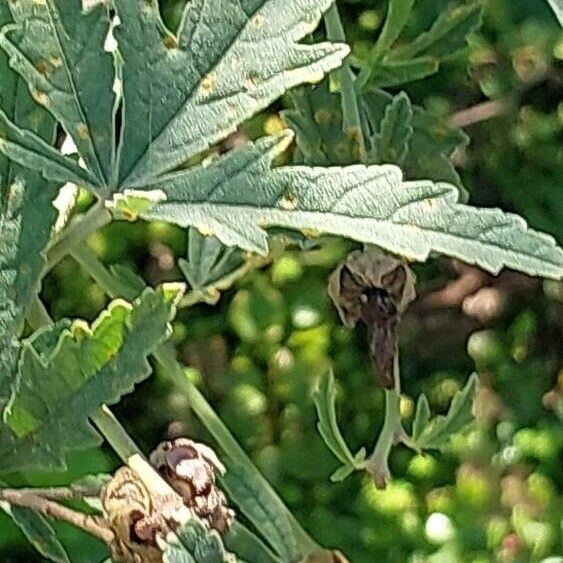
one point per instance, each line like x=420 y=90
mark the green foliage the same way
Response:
x=324 y=398
x=38 y=532
x=65 y=373
x=194 y=543
x=434 y=433
x=235 y=196
x=26 y=215
x=388 y=66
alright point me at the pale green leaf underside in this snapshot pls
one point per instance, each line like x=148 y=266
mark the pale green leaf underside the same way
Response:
x=231 y=58
x=557 y=7
x=324 y=398
x=38 y=532
x=58 y=388
x=434 y=433
x=26 y=214
x=236 y=196
x=195 y=543
x=59 y=50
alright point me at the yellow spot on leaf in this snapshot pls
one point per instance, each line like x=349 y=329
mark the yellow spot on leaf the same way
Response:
x=40 y=97
x=206 y=230
x=207 y=85
x=258 y=21
x=322 y=117
x=170 y=42
x=83 y=131
x=288 y=201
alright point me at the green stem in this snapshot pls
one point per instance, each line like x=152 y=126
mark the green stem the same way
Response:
x=351 y=120
x=112 y=285
x=95 y=218
x=117 y=437
x=378 y=463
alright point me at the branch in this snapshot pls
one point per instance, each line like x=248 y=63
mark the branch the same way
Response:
x=94 y=525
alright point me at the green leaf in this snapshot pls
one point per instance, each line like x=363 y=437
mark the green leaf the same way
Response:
x=391 y=142
x=392 y=73
x=431 y=144
x=203 y=84
x=557 y=7
x=27 y=149
x=249 y=547
x=48 y=49
x=59 y=387
x=447 y=35
x=436 y=432
x=325 y=398
x=236 y=196
x=397 y=15
x=421 y=417
x=209 y=260
x=195 y=543
x=38 y=532
x=26 y=219
x=261 y=508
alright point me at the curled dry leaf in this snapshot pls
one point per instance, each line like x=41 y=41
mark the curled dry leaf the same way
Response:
x=374 y=287
x=191 y=469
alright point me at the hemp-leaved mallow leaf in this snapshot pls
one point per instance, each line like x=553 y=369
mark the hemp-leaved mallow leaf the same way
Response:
x=236 y=196
x=59 y=50
x=26 y=213
x=66 y=373
x=228 y=60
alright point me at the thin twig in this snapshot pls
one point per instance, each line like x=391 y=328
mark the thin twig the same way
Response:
x=94 y=525
x=481 y=112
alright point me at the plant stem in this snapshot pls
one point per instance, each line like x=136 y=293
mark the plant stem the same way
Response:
x=93 y=525
x=95 y=218
x=115 y=434
x=378 y=463
x=351 y=121
x=112 y=285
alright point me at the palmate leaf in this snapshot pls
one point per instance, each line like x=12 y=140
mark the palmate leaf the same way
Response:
x=434 y=433
x=26 y=214
x=66 y=374
x=230 y=59
x=236 y=196
x=195 y=543
x=59 y=50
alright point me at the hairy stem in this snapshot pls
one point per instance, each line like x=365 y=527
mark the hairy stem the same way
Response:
x=95 y=218
x=351 y=121
x=93 y=525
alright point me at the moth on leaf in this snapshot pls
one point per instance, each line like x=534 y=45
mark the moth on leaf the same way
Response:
x=375 y=288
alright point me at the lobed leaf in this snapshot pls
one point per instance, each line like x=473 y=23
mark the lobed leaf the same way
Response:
x=391 y=142
x=325 y=398
x=27 y=215
x=59 y=49
x=195 y=543
x=398 y=12
x=60 y=385
x=236 y=196
x=230 y=59
x=392 y=73
x=447 y=35
x=434 y=433
x=208 y=260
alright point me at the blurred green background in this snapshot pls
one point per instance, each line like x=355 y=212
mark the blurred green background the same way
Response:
x=496 y=493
